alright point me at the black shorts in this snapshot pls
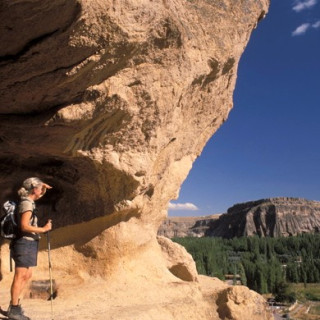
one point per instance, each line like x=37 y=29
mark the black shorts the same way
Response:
x=24 y=252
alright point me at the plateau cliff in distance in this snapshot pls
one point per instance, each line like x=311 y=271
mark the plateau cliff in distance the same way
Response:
x=272 y=217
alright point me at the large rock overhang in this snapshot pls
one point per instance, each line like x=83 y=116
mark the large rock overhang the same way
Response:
x=111 y=102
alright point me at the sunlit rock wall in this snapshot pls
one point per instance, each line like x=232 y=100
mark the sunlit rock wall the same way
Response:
x=111 y=102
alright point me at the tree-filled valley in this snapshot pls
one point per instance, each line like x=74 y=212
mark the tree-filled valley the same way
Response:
x=265 y=265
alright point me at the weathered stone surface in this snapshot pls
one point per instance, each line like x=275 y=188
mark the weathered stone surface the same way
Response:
x=240 y=303
x=179 y=261
x=234 y=302
x=110 y=102
x=268 y=217
x=186 y=226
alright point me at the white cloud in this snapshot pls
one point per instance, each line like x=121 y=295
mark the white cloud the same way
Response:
x=183 y=206
x=316 y=25
x=301 y=29
x=302 y=5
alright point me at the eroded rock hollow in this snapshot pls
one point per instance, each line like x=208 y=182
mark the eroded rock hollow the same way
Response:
x=111 y=102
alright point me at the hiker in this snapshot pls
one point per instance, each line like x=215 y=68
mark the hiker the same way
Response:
x=24 y=249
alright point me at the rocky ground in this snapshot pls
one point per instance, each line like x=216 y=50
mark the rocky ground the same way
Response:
x=163 y=304
x=135 y=292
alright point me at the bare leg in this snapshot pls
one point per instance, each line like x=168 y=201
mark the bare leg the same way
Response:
x=21 y=277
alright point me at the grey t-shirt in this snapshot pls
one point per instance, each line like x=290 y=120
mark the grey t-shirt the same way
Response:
x=26 y=204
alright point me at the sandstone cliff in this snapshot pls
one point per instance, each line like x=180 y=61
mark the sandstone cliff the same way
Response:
x=268 y=217
x=110 y=102
x=186 y=226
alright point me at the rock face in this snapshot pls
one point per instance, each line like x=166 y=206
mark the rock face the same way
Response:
x=268 y=217
x=179 y=261
x=252 y=305
x=186 y=226
x=110 y=102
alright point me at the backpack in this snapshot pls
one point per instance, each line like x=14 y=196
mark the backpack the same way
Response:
x=8 y=222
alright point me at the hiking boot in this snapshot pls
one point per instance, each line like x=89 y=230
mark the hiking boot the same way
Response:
x=16 y=313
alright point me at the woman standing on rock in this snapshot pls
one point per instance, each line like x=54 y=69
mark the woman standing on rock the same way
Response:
x=24 y=249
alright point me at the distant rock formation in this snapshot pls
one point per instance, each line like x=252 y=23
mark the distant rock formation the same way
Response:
x=273 y=217
x=186 y=226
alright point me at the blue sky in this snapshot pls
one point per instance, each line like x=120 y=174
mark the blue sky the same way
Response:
x=270 y=144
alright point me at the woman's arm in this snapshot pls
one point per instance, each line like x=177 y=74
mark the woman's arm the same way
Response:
x=25 y=226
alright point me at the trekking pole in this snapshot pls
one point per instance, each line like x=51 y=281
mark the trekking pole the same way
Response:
x=50 y=274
